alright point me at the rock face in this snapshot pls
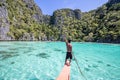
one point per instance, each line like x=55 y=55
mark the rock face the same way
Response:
x=38 y=16
x=16 y=13
x=77 y=14
x=60 y=15
x=4 y=24
x=113 y=1
x=23 y=20
x=46 y=19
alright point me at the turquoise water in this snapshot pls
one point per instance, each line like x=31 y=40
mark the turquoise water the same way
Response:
x=45 y=60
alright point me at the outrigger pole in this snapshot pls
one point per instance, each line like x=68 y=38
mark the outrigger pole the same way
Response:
x=79 y=67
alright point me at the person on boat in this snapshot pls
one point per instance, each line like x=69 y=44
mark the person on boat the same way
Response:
x=69 y=50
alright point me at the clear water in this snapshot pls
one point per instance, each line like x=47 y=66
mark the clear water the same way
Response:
x=45 y=60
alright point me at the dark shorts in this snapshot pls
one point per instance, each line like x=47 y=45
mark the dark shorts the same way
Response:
x=68 y=55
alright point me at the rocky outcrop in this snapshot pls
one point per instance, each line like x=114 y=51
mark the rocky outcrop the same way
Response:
x=60 y=15
x=77 y=14
x=38 y=16
x=46 y=19
x=17 y=13
x=113 y=1
x=23 y=20
x=4 y=23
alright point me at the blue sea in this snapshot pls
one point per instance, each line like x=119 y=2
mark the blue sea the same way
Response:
x=45 y=60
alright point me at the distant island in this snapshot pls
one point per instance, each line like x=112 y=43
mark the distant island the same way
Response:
x=23 y=20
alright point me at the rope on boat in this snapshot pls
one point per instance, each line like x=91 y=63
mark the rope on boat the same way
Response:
x=79 y=67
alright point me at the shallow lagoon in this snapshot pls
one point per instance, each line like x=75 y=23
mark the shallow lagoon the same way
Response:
x=44 y=60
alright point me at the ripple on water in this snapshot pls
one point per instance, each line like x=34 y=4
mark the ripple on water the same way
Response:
x=43 y=55
x=59 y=50
x=86 y=69
x=8 y=52
x=27 y=51
x=12 y=62
x=9 y=56
x=100 y=62
x=1 y=78
x=108 y=65
x=17 y=48
x=86 y=60
x=4 y=46
x=1 y=65
x=34 y=78
x=89 y=66
x=6 y=56
x=63 y=52
x=95 y=66
x=24 y=49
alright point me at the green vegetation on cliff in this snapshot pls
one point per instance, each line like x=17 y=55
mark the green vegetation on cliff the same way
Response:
x=100 y=25
x=25 y=21
x=28 y=23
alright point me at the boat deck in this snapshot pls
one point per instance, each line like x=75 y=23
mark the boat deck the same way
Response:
x=65 y=73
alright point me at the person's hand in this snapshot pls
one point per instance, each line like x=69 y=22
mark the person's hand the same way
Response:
x=64 y=37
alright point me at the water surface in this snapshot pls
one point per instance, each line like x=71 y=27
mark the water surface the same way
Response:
x=44 y=60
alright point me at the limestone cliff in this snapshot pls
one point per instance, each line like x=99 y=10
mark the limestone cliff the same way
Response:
x=17 y=13
x=113 y=1
x=62 y=14
x=23 y=20
x=4 y=23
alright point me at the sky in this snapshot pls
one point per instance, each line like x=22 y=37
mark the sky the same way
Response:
x=49 y=6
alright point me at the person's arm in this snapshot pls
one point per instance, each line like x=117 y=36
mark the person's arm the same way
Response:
x=65 y=40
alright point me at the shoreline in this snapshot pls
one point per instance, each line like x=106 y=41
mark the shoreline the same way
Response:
x=54 y=41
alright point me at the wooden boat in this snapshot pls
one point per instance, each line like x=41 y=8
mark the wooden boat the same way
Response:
x=65 y=73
